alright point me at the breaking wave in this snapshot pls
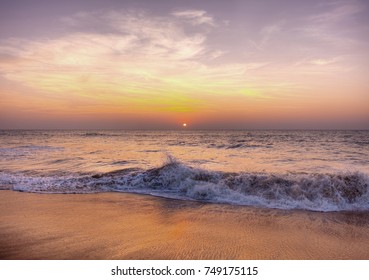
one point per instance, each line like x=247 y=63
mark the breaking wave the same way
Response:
x=317 y=192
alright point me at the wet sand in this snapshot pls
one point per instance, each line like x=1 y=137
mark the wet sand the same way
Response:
x=130 y=226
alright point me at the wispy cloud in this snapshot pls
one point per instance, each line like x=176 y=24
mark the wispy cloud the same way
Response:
x=141 y=53
x=339 y=11
x=196 y=17
x=142 y=57
x=161 y=36
x=331 y=26
x=322 y=61
x=136 y=60
x=267 y=33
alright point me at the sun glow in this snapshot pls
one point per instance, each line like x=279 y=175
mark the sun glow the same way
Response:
x=121 y=68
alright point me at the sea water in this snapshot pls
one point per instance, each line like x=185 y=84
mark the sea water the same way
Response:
x=311 y=170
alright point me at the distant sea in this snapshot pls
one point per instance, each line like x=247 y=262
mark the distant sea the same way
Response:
x=310 y=170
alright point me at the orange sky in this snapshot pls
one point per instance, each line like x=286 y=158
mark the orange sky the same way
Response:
x=124 y=67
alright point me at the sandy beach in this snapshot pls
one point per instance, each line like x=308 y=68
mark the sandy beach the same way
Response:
x=130 y=226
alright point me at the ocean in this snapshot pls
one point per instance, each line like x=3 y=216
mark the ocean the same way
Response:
x=309 y=170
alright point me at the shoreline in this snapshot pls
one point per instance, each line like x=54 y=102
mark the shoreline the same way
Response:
x=134 y=226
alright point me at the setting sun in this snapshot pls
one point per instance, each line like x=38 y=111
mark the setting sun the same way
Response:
x=184 y=125
x=127 y=67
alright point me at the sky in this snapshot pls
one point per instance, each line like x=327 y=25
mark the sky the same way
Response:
x=144 y=64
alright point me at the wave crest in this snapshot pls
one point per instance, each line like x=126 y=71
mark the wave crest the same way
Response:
x=317 y=192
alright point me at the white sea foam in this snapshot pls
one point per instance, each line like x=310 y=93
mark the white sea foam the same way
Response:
x=317 y=192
